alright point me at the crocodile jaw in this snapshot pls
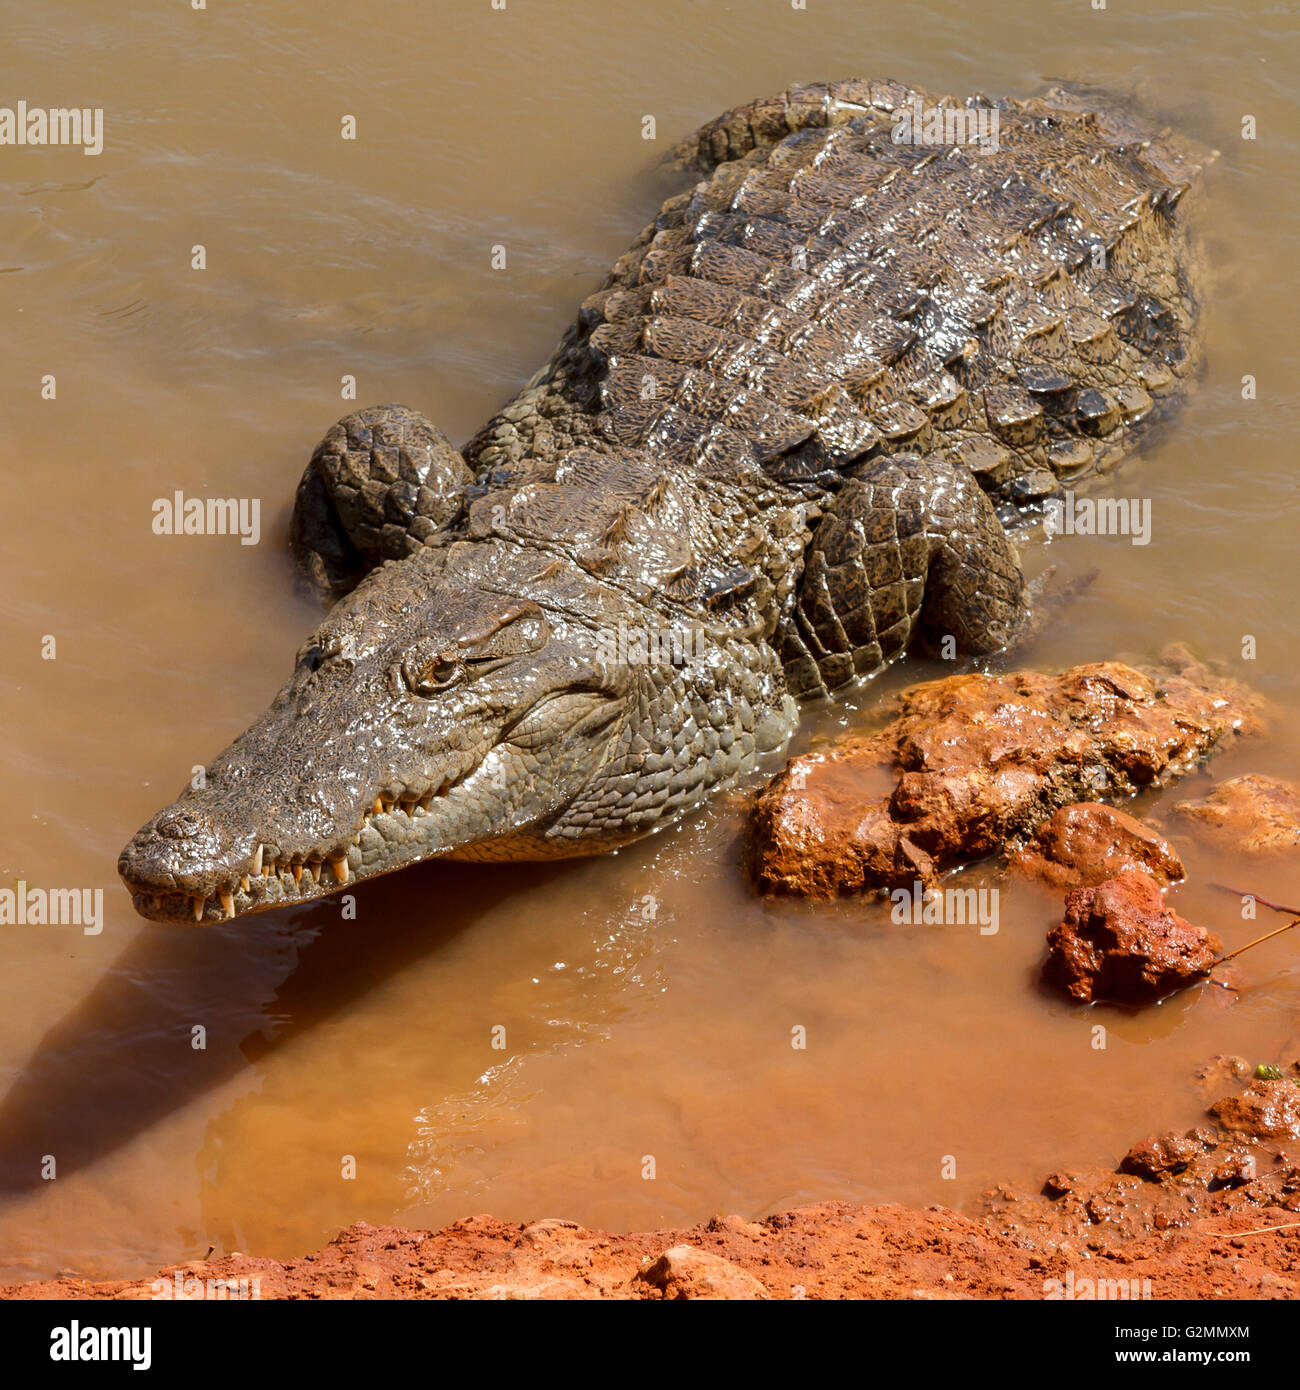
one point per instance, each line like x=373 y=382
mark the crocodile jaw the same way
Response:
x=393 y=834
x=421 y=720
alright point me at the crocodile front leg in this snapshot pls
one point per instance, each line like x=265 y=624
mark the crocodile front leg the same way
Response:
x=908 y=545
x=381 y=483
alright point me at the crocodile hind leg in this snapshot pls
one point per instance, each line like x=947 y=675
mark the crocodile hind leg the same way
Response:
x=908 y=546
x=380 y=484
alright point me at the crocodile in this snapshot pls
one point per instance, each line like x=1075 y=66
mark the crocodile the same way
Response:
x=790 y=434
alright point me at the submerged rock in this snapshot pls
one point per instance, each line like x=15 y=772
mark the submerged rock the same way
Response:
x=1256 y=814
x=973 y=762
x=1120 y=942
x=1087 y=843
x=1166 y=1156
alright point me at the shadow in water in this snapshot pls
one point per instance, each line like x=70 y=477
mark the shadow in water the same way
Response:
x=126 y=1055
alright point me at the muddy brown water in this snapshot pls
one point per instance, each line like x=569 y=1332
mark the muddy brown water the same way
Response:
x=648 y=1000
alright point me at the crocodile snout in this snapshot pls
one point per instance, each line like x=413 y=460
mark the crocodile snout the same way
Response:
x=181 y=849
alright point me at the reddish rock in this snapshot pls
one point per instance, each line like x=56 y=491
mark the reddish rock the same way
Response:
x=973 y=762
x=1235 y=1170
x=1170 y=1154
x=1087 y=843
x=1058 y=1184
x=1119 y=941
x=687 y=1273
x=550 y=1232
x=1254 y=814
x=1263 y=1110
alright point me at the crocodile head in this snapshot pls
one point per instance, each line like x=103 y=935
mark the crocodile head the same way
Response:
x=426 y=716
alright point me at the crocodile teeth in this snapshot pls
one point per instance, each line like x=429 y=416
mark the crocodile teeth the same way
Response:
x=314 y=870
x=257 y=860
x=297 y=873
x=227 y=901
x=199 y=905
x=243 y=883
x=340 y=866
x=378 y=808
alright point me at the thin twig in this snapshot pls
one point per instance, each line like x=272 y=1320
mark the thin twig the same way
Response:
x=1238 y=893
x=1259 y=1231
x=1277 y=931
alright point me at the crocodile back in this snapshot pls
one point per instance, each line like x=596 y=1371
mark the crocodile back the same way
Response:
x=829 y=292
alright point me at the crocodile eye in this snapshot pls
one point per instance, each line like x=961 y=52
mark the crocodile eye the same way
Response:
x=428 y=677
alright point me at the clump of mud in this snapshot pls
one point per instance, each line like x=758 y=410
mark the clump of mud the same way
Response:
x=1087 y=843
x=1119 y=941
x=973 y=763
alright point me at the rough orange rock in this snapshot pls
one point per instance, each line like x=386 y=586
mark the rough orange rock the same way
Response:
x=1086 y=843
x=973 y=762
x=1119 y=941
x=1256 y=814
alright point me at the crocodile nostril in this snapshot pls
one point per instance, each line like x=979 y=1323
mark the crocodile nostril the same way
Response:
x=179 y=825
